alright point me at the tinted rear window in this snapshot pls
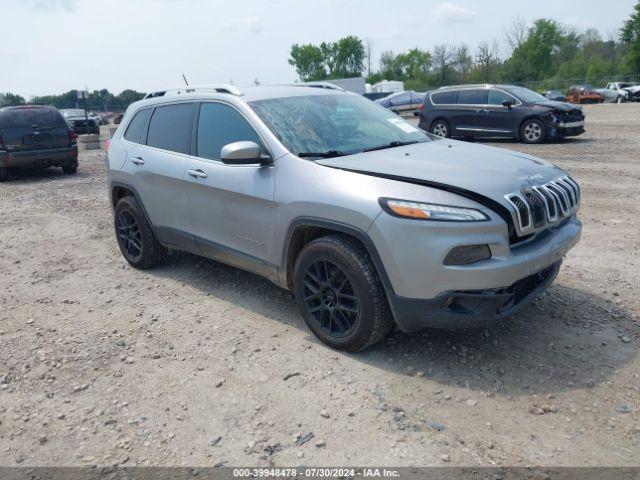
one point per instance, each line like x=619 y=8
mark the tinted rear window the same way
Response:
x=472 y=97
x=136 y=126
x=445 y=98
x=170 y=127
x=28 y=117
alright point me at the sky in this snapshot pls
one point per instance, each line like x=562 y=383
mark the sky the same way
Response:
x=52 y=46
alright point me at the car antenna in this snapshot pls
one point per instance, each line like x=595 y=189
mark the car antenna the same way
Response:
x=185 y=80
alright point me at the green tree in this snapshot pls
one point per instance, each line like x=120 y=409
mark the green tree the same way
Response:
x=349 y=56
x=630 y=36
x=342 y=59
x=309 y=62
x=10 y=99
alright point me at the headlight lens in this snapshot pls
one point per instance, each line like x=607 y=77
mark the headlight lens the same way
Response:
x=430 y=211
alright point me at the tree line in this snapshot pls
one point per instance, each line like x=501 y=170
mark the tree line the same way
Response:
x=102 y=100
x=545 y=53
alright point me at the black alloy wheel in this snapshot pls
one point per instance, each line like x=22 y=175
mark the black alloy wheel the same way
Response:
x=129 y=236
x=330 y=298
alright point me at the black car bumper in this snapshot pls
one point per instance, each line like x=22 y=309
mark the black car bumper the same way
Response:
x=59 y=157
x=84 y=130
x=471 y=309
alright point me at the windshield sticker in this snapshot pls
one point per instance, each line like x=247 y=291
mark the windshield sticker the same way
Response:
x=402 y=125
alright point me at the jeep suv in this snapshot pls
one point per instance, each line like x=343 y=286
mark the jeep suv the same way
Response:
x=367 y=219
x=35 y=136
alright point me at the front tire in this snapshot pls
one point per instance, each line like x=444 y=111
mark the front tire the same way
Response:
x=340 y=294
x=532 y=131
x=620 y=99
x=136 y=240
x=440 y=128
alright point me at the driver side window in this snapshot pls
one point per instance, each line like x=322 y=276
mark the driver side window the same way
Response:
x=496 y=97
x=218 y=125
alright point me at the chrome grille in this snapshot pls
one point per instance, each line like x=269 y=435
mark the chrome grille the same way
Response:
x=543 y=205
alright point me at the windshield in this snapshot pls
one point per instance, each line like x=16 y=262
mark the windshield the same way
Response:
x=334 y=124
x=73 y=113
x=527 y=95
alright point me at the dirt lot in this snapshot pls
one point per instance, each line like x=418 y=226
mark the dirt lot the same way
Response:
x=196 y=363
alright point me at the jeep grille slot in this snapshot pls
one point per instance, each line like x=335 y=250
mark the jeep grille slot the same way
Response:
x=543 y=205
x=522 y=209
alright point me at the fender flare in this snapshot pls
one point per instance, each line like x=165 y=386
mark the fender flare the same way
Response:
x=355 y=232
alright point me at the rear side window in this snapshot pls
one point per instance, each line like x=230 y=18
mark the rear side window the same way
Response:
x=472 y=97
x=219 y=125
x=445 y=98
x=136 y=126
x=170 y=127
x=29 y=117
x=496 y=97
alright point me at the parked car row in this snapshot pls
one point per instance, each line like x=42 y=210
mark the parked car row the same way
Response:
x=498 y=111
x=620 y=92
x=79 y=122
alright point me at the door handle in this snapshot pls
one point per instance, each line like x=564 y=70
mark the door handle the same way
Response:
x=137 y=160
x=197 y=173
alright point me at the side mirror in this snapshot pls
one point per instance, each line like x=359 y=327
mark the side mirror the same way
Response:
x=507 y=103
x=243 y=153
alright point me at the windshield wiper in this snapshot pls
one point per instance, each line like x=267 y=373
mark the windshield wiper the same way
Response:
x=391 y=145
x=327 y=154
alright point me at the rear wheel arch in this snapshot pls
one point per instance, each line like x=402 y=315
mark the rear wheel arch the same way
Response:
x=120 y=190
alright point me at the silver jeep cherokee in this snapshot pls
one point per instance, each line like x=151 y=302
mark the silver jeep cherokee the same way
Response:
x=367 y=219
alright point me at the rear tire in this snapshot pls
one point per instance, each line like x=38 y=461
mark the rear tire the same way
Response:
x=340 y=295
x=441 y=128
x=136 y=240
x=70 y=169
x=4 y=174
x=620 y=99
x=532 y=131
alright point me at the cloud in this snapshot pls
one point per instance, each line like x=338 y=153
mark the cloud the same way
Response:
x=451 y=13
x=251 y=24
x=52 y=5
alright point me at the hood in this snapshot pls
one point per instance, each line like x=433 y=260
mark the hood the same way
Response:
x=560 y=106
x=632 y=89
x=480 y=169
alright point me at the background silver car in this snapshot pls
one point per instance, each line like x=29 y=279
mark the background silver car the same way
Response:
x=370 y=221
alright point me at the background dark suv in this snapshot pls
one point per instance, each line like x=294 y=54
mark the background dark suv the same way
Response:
x=35 y=136
x=498 y=111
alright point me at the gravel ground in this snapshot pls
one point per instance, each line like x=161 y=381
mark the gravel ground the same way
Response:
x=197 y=363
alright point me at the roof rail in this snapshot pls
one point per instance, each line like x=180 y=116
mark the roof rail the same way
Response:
x=217 y=87
x=327 y=85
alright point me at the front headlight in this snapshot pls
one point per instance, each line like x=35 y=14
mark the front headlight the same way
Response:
x=430 y=211
x=553 y=117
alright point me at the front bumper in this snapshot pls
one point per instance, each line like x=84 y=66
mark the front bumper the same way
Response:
x=565 y=129
x=423 y=292
x=471 y=308
x=40 y=158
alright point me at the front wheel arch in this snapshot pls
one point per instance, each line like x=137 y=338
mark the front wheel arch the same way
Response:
x=303 y=230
